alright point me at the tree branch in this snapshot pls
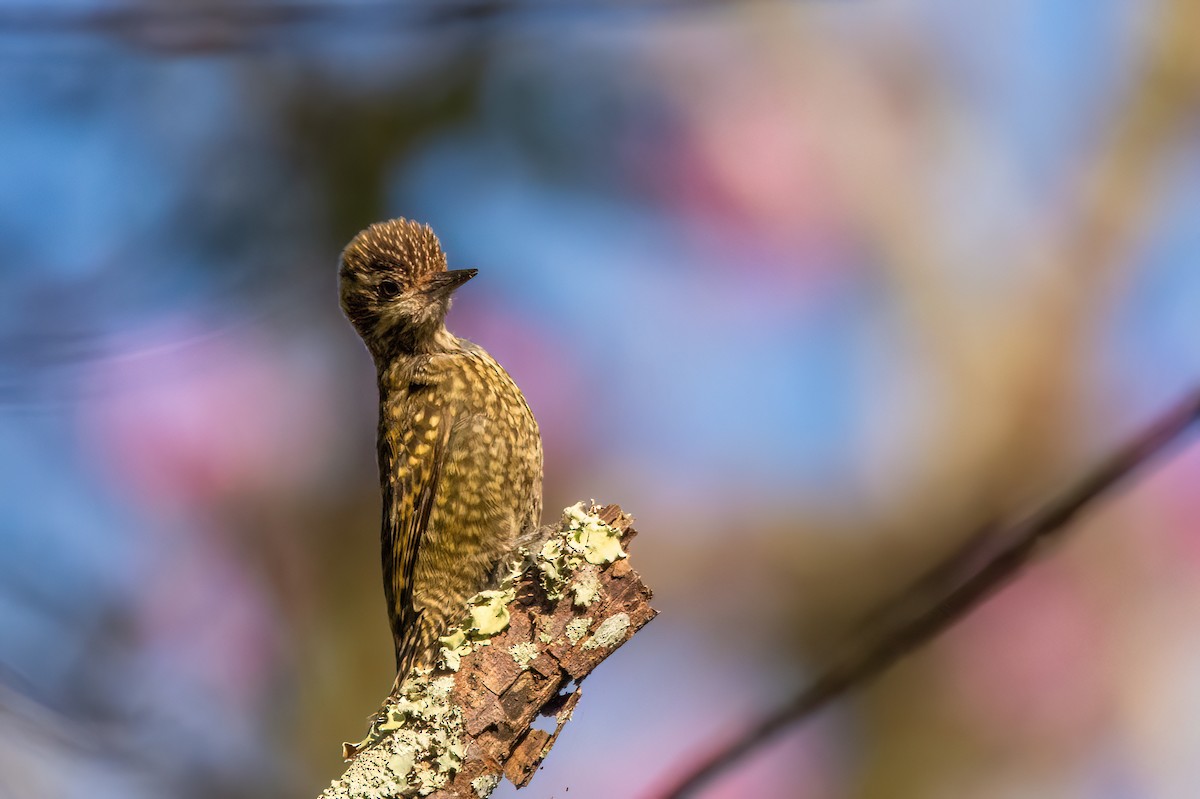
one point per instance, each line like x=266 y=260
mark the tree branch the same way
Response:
x=997 y=559
x=520 y=655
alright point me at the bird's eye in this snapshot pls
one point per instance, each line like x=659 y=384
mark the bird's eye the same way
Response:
x=389 y=289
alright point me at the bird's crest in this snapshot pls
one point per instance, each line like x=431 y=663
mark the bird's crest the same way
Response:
x=407 y=250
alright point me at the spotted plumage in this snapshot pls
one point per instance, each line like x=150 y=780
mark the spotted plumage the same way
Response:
x=460 y=456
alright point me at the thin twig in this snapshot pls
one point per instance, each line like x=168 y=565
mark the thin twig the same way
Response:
x=1020 y=543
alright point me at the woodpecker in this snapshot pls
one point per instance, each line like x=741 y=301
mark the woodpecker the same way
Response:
x=460 y=455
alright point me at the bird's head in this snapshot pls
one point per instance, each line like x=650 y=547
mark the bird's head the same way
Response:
x=395 y=288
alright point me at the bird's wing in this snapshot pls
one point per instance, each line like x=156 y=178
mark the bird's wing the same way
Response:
x=416 y=470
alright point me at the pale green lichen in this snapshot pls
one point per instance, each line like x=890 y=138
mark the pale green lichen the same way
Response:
x=582 y=538
x=577 y=628
x=454 y=647
x=488 y=612
x=416 y=744
x=552 y=563
x=414 y=747
x=610 y=633
x=523 y=653
x=598 y=542
x=484 y=784
x=586 y=588
x=487 y=616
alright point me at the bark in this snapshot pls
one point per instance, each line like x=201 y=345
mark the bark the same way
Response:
x=479 y=718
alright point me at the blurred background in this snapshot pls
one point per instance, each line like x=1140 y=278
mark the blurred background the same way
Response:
x=813 y=289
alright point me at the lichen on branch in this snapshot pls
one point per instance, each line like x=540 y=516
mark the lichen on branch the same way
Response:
x=520 y=652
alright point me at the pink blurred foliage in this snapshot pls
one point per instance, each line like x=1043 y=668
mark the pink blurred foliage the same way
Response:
x=207 y=624
x=184 y=415
x=802 y=763
x=1169 y=505
x=742 y=160
x=1030 y=664
x=758 y=163
x=189 y=423
x=793 y=767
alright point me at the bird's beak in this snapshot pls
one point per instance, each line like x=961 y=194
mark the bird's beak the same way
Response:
x=444 y=283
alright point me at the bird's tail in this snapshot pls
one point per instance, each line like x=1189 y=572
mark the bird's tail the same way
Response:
x=416 y=648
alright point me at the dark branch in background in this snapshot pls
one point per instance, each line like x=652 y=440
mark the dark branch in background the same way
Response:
x=1012 y=547
x=229 y=26
x=1159 y=108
